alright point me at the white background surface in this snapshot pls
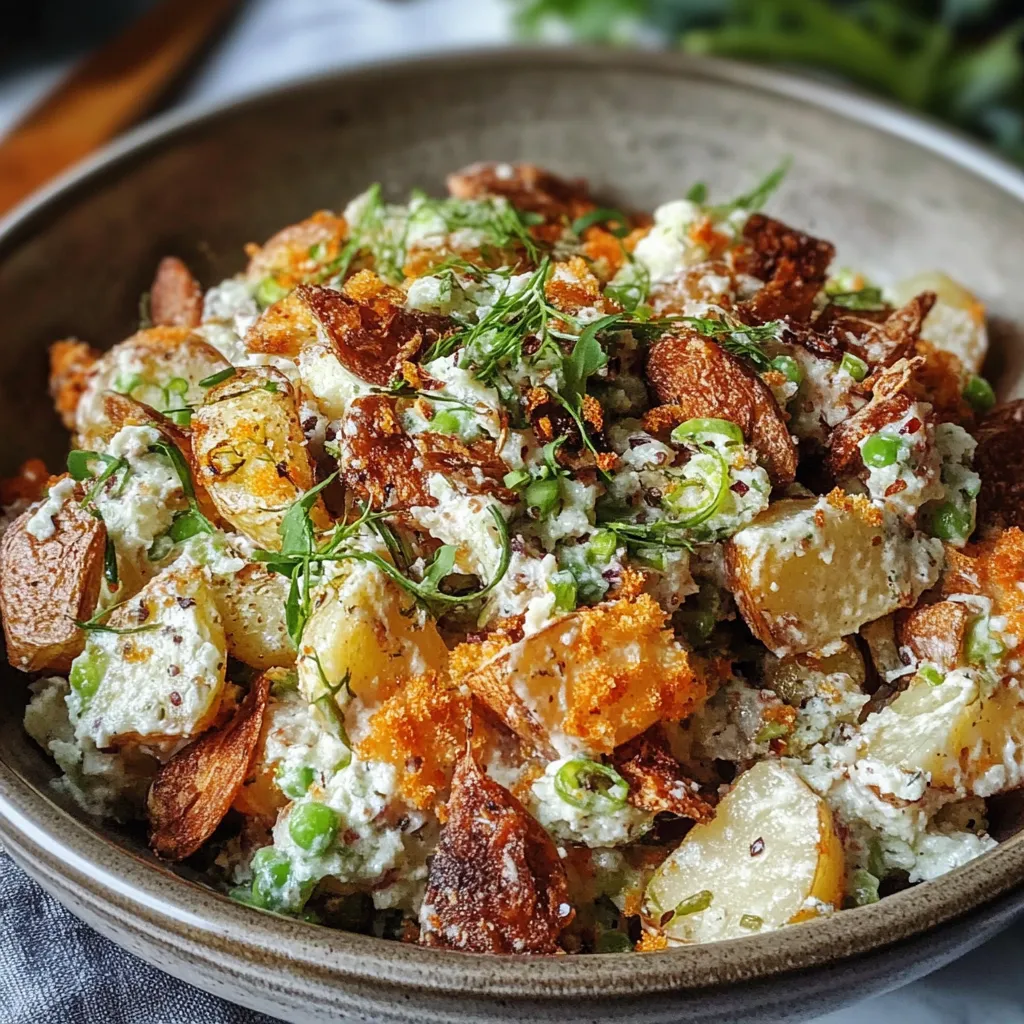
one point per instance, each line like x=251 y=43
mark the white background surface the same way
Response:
x=276 y=40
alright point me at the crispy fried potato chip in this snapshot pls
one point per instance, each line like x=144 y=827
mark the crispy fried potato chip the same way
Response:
x=657 y=782
x=496 y=884
x=175 y=298
x=698 y=378
x=194 y=790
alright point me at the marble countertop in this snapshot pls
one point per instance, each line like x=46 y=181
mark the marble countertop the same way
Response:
x=275 y=40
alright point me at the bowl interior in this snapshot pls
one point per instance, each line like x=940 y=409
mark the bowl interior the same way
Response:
x=641 y=128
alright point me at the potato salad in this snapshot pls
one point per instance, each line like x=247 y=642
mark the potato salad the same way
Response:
x=514 y=573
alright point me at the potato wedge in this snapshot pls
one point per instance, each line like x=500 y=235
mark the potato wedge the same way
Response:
x=770 y=857
x=175 y=298
x=195 y=789
x=251 y=605
x=958 y=731
x=364 y=625
x=956 y=322
x=591 y=680
x=143 y=367
x=249 y=452
x=158 y=673
x=496 y=883
x=807 y=572
x=50 y=577
x=698 y=378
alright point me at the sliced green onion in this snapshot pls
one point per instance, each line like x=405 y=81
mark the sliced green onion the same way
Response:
x=313 y=826
x=950 y=523
x=863 y=888
x=978 y=392
x=446 y=422
x=563 y=585
x=160 y=548
x=217 y=378
x=751 y=922
x=713 y=486
x=177 y=386
x=930 y=674
x=181 y=417
x=689 y=430
x=79 y=459
x=268 y=291
x=125 y=384
x=541 y=497
x=880 y=450
x=110 y=562
x=789 y=368
x=591 y=786
x=516 y=478
x=651 y=556
x=982 y=647
x=695 y=904
x=772 y=731
x=602 y=546
x=854 y=366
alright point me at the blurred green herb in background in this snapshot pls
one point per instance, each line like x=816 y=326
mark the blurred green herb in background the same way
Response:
x=961 y=60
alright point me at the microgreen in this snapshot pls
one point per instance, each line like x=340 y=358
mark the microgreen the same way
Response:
x=95 y=625
x=867 y=298
x=191 y=521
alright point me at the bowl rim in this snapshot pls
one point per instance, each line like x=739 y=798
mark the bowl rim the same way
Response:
x=100 y=870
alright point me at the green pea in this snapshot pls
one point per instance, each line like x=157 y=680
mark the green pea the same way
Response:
x=271 y=872
x=563 y=585
x=880 y=450
x=602 y=546
x=854 y=366
x=982 y=648
x=87 y=673
x=978 y=392
x=313 y=826
x=268 y=291
x=789 y=367
x=446 y=422
x=294 y=781
x=542 y=497
x=950 y=523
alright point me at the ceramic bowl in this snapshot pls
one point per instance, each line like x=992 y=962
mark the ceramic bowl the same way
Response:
x=897 y=195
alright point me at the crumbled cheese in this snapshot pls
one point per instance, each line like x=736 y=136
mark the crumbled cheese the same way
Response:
x=40 y=524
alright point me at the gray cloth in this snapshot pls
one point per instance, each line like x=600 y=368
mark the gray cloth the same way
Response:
x=56 y=970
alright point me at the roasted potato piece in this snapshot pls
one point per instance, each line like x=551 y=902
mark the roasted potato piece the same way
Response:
x=51 y=567
x=282 y=329
x=956 y=322
x=934 y=633
x=251 y=605
x=700 y=379
x=657 y=781
x=807 y=572
x=28 y=484
x=496 y=883
x=70 y=363
x=249 y=452
x=771 y=848
x=364 y=625
x=793 y=266
x=373 y=335
x=592 y=680
x=175 y=298
x=160 y=676
x=144 y=367
x=525 y=186
x=999 y=461
x=195 y=789
x=957 y=732
x=288 y=258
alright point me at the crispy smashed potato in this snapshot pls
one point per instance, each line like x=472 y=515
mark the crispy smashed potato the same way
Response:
x=526 y=186
x=657 y=781
x=282 y=329
x=249 y=452
x=70 y=363
x=592 y=680
x=195 y=789
x=496 y=884
x=286 y=256
x=698 y=378
x=47 y=583
x=251 y=603
x=175 y=298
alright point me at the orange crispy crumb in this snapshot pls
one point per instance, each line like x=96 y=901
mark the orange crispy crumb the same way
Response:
x=855 y=503
x=650 y=943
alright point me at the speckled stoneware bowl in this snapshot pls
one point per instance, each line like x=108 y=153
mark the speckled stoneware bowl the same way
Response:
x=896 y=195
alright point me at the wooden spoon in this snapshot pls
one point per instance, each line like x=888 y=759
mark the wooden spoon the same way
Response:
x=105 y=94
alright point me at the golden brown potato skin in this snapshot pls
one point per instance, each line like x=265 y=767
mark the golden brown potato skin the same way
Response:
x=698 y=378
x=934 y=632
x=175 y=298
x=999 y=461
x=45 y=585
x=195 y=789
x=70 y=362
x=496 y=884
x=249 y=453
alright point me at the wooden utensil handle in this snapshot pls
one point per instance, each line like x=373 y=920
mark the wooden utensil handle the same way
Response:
x=106 y=93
